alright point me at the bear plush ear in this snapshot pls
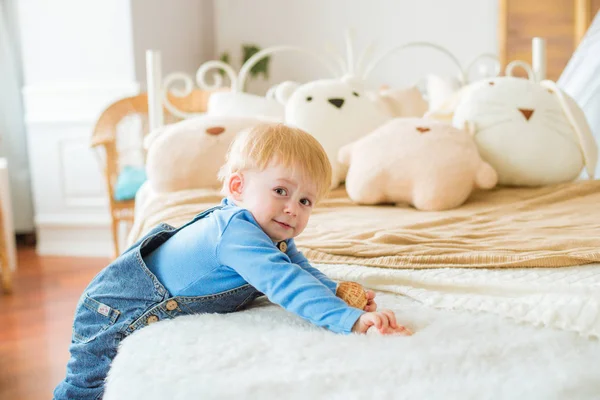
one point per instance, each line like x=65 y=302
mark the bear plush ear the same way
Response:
x=354 y=81
x=577 y=119
x=283 y=91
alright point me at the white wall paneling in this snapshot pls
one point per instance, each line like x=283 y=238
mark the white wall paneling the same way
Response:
x=78 y=57
x=69 y=194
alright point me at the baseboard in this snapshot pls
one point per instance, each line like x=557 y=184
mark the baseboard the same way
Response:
x=74 y=235
x=93 y=241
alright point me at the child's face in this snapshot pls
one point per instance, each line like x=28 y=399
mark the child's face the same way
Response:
x=280 y=199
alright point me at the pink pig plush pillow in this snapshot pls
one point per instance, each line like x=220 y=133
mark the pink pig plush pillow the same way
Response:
x=426 y=163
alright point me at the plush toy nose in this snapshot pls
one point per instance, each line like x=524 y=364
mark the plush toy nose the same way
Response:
x=337 y=102
x=526 y=113
x=215 y=130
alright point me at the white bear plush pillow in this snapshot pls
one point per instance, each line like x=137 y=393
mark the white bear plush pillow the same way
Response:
x=532 y=134
x=335 y=111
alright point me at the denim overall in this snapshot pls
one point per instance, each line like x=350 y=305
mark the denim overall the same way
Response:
x=123 y=298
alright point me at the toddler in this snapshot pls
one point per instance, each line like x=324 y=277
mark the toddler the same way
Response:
x=222 y=260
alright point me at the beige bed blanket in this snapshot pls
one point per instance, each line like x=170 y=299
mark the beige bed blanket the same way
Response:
x=551 y=226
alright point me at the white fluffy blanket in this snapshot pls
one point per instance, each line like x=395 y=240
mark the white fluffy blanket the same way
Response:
x=268 y=353
x=566 y=298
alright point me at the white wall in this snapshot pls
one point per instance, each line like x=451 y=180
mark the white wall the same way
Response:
x=78 y=57
x=466 y=27
x=76 y=41
x=182 y=30
x=13 y=143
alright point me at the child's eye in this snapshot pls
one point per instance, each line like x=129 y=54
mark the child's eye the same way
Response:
x=306 y=202
x=280 y=191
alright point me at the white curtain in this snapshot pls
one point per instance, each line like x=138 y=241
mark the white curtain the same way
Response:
x=13 y=141
x=581 y=78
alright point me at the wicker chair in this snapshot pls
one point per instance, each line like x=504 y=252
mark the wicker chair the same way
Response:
x=6 y=272
x=104 y=138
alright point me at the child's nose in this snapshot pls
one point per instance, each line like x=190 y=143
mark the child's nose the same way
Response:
x=291 y=208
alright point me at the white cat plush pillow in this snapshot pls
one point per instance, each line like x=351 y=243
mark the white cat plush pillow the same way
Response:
x=531 y=133
x=335 y=111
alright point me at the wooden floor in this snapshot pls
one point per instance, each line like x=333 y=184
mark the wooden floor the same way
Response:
x=35 y=322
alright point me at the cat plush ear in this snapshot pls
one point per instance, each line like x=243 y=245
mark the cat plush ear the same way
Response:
x=578 y=121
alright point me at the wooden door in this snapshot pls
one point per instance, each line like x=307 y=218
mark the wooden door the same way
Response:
x=562 y=23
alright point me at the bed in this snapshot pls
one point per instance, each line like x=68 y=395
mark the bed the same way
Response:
x=503 y=294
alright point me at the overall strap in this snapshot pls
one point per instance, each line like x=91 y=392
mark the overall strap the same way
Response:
x=200 y=216
x=165 y=231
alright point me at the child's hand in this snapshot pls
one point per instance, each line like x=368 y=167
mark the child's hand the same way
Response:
x=384 y=321
x=371 y=305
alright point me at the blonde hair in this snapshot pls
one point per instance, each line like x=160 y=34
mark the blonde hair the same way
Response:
x=257 y=147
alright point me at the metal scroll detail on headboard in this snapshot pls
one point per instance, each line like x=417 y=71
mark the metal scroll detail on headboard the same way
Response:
x=337 y=65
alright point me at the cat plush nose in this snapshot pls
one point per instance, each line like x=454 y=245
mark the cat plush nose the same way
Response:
x=527 y=113
x=337 y=102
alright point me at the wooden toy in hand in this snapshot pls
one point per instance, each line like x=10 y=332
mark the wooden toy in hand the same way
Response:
x=353 y=294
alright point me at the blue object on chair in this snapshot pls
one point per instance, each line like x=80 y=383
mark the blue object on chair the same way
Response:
x=128 y=182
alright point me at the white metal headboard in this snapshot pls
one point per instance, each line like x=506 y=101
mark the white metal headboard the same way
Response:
x=338 y=66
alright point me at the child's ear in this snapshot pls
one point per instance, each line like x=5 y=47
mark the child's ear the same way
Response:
x=235 y=185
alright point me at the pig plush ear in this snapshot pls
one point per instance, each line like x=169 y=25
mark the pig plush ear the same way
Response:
x=283 y=91
x=150 y=137
x=580 y=126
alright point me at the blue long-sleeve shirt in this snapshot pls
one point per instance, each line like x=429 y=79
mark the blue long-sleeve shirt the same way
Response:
x=228 y=249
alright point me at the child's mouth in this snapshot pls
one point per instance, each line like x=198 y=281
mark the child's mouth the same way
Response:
x=284 y=225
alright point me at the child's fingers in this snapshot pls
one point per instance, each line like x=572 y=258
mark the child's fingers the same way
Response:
x=370 y=295
x=378 y=321
x=368 y=320
x=385 y=323
x=392 y=317
x=404 y=331
x=370 y=307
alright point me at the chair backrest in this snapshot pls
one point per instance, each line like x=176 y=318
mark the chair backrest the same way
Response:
x=105 y=132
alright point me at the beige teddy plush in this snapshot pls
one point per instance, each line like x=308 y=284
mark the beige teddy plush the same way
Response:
x=188 y=154
x=426 y=163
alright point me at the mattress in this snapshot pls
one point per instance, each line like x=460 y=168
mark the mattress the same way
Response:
x=458 y=351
